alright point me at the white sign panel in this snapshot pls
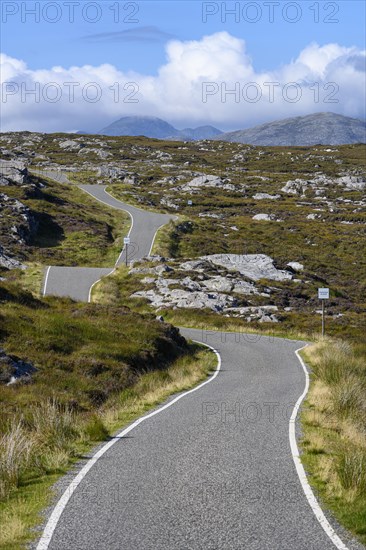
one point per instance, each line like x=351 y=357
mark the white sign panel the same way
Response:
x=189 y=203
x=323 y=293
x=126 y=240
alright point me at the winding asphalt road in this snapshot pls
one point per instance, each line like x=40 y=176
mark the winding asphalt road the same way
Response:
x=215 y=468
x=76 y=282
x=213 y=471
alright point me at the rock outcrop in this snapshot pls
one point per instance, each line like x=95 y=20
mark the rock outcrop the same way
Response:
x=253 y=266
x=13 y=369
x=212 y=282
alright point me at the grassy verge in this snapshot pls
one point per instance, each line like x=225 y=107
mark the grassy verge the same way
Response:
x=162 y=243
x=30 y=279
x=334 y=430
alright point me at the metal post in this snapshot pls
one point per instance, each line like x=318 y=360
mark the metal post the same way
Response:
x=323 y=327
x=126 y=254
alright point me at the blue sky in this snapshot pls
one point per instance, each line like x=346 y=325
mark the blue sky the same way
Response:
x=137 y=40
x=44 y=44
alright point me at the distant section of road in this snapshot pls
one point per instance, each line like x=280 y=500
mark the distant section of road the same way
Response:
x=144 y=223
x=76 y=282
x=73 y=282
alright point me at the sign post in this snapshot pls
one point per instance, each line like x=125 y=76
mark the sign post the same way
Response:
x=126 y=242
x=323 y=294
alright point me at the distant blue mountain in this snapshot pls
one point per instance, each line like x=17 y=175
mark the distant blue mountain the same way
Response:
x=154 y=127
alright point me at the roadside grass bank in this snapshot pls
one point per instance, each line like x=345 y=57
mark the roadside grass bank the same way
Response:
x=30 y=279
x=70 y=227
x=97 y=370
x=164 y=244
x=334 y=430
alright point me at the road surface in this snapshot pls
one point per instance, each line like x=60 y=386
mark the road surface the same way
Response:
x=213 y=471
x=76 y=282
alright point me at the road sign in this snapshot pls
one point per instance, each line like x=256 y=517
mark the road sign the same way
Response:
x=323 y=293
x=189 y=203
x=126 y=242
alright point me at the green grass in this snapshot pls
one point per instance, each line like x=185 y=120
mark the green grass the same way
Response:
x=163 y=241
x=334 y=430
x=30 y=279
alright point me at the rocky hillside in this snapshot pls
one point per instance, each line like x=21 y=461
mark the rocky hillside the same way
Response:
x=18 y=224
x=318 y=128
x=294 y=214
x=50 y=223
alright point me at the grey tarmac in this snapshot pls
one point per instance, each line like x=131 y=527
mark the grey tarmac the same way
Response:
x=213 y=471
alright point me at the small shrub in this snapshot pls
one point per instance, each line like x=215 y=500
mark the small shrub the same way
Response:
x=54 y=460
x=15 y=454
x=351 y=469
x=347 y=396
x=333 y=362
x=53 y=424
x=94 y=429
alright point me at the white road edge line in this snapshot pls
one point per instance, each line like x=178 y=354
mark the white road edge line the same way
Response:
x=153 y=241
x=46 y=280
x=319 y=514
x=62 y=503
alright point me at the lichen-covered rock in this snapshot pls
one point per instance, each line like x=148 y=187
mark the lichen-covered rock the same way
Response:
x=296 y=266
x=263 y=196
x=205 y=180
x=295 y=187
x=69 y=145
x=180 y=298
x=9 y=262
x=266 y=218
x=253 y=266
x=13 y=173
x=262 y=314
x=352 y=183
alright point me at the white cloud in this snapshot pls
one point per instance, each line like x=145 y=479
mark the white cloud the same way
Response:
x=328 y=78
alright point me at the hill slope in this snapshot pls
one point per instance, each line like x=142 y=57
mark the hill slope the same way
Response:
x=318 y=128
x=154 y=127
x=139 y=126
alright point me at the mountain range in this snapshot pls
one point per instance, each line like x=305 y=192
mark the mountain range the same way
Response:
x=314 y=129
x=318 y=128
x=154 y=127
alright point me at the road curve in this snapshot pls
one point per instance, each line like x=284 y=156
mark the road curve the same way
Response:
x=76 y=282
x=214 y=471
